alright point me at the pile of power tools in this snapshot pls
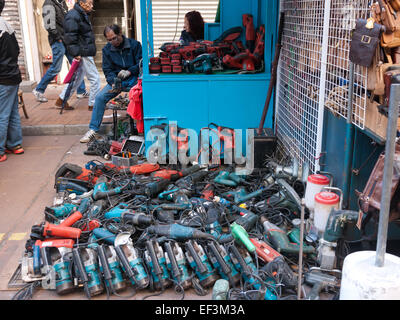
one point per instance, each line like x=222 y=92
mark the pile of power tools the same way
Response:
x=150 y=227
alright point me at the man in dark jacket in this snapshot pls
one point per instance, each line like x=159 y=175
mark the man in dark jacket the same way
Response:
x=80 y=44
x=53 y=13
x=121 y=58
x=10 y=78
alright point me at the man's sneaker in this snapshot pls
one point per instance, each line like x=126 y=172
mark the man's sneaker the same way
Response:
x=83 y=95
x=88 y=136
x=39 y=96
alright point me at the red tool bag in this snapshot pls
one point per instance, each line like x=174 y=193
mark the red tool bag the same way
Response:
x=135 y=107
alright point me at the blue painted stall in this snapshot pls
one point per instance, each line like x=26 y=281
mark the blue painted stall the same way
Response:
x=195 y=100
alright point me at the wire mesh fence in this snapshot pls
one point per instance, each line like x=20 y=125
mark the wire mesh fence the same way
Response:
x=313 y=73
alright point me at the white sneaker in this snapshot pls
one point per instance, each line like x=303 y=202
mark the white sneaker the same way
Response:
x=39 y=96
x=83 y=95
x=88 y=136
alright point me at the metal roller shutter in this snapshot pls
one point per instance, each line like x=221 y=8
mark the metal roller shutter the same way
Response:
x=168 y=17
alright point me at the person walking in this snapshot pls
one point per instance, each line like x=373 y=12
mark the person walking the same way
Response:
x=80 y=43
x=10 y=78
x=121 y=59
x=53 y=12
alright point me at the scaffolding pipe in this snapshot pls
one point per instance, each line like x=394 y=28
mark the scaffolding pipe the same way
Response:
x=393 y=114
x=349 y=142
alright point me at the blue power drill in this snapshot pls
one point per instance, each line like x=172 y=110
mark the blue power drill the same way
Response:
x=132 y=264
x=60 y=212
x=101 y=189
x=176 y=264
x=198 y=260
x=64 y=283
x=222 y=262
x=202 y=63
x=87 y=268
x=111 y=268
x=244 y=263
x=155 y=259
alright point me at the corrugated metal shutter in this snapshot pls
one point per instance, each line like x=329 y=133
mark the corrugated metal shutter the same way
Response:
x=11 y=15
x=168 y=17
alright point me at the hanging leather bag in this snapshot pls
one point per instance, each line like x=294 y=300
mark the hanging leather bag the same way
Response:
x=364 y=43
x=384 y=13
x=372 y=193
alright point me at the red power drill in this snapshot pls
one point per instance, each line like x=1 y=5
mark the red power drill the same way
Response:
x=247 y=20
x=244 y=61
x=259 y=46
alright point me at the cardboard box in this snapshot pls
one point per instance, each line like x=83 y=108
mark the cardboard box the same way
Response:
x=375 y=121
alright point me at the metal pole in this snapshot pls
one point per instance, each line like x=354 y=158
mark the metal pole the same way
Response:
x=349 y=145
x=301 y=250
x=393 y=114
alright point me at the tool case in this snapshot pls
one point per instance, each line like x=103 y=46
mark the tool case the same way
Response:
x=264 y=146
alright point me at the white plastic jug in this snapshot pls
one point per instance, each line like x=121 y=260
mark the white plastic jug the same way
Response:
x=315 y=183
x=324 y=202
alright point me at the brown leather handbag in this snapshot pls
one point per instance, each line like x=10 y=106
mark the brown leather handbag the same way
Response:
x=384 y=14
x=371 y=196
x=395 y=4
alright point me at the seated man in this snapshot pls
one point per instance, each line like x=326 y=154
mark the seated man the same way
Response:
x=121 y=57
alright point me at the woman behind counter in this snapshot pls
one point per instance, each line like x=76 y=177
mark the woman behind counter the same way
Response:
x=193 y=28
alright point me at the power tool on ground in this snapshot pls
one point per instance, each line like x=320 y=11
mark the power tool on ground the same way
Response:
x=104 y=235
x=280 y=240
x=287 y=197
x=62 y=260
x=46 y=229
x=176 y=264
x=319 y=281
x=69 y=185
x=178 y=196
x=155 y=259
x=87 y=270
x=73 y=171
x=208 y=192
x=128 y=216
x=222 y=262
x=223 y=177
x=178 y=232
x=102 y=189
x=198 y=261
x=240 y=195
x=131 y=262
x=338 y=220
x=59 y=212
x=245 y=265
x=188 y=174
x=110 y=268
x=281 y=270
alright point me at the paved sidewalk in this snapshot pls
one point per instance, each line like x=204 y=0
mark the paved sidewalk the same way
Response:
x=45 y=119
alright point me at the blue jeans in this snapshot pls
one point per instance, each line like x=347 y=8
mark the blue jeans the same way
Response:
x=86 y=68
x=10 y=121
x=58 y=51
x=99 y=107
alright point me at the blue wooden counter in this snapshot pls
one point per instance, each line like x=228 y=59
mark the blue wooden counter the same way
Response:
x=195 y=100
